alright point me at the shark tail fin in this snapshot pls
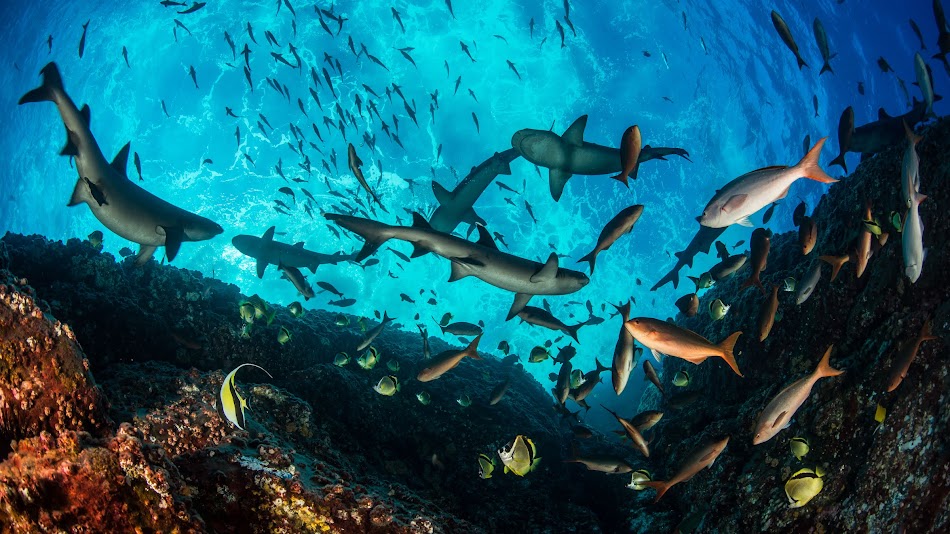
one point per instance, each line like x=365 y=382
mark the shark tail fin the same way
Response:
x=572 y=330
x=809 y=167
x=591 y=259
x=825 y=68
x=46 y=92
x=840 y=162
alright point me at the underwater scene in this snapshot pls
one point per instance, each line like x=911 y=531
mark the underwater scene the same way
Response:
x=448 y=266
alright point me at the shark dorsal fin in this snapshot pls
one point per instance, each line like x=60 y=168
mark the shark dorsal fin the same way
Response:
x=418 y=221
x=121 y=160
x=881 y=114
x=485 y=239
x=298 y=244
x=442 y=195
x=575 y=132
x=548 y=271
x=86 y=114
x=269 y=234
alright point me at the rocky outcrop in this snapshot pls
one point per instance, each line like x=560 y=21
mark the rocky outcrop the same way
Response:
x=881 y=477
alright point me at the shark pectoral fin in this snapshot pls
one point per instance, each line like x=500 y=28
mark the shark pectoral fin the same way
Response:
x=442 y=195
x=485 y=239
x=70 y=148
x=261 y=266
x=121 y=161
x=174 y=235
x=548 y=271
x=418 y=250
x=460 y=269
x=734 y=203
x=145 y=254
x=521 y=300
x=269 y=234
x=80 y=193
x=574 y=135
x=558 y=179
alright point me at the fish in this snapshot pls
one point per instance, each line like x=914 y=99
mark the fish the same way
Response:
x=807 y=287
x=778 y=414
x=630 y=145
x=747 y=194
x=701 y=241
x=681 y=379
x=650 y=373
x=486 y=465
x=836 y=263
x=341 y=359
x=424 y=398
x=355 y=163
x=82 y=40
x=393 y=365
x=663 y=337
x=803 y=486
x=456 y=206
x=880 y=413
x=688 y=305
x=646 y=420
x=822 y=39
x=368 y=359
x=283 y=335
x=621 y=224
x=538 y=354
x=269 y=252
x=624 y=357
x=787 y=38
x=195 y=6
x=563 y=385
x=636 y=438
x=726 y=267
x=699 y=459
x=916 y=29
x=611 y=465
x=705 y=281
x=910 y=168
x=231 y=404
x=885 y=132
x=296 y=309
x=387 y=386
x=862 y=250
x=638 y=478
x=807 y=235
x=789 y=284
x=814 y=102
x=539 y=317
x=95 y=239
x=519 y=456
x=718 y=310
x=482 y=260
x=372 y=334
x=464 y=400
x=906 y=354
x=424 y=332
x=461 y=329
x=767 y=314
x=845 y=132
x=498 y=392
x=799 y=447
x=123 y=207
x=760 y=245
x=297 y=279
x=448 y=360
x=925 y=84
x=767 y=216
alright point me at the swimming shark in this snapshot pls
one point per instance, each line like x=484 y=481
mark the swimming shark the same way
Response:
x=885 y=132
x=269 y=252
x=118 y=203
x=482 y=260
x=568 y=154
x=456 y=206
x=701 y=242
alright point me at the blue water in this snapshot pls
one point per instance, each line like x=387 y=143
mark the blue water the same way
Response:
x=737 y=105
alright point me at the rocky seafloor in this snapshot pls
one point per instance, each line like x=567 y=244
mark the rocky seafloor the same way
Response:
x=109 y=376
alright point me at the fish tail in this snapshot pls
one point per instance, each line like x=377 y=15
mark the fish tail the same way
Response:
x=824 y=366
x=926 y=331
x=753 y=280
x=572 y=330
x=52 y=82
x=825 y=68
x=727 y=347
x=661 y=487
x=835 y=263
x=472 y=350
x=910 y=135
x=809 y=167
x=801 y=63
x=622 y=178
x=840 y=161
x=591 y=259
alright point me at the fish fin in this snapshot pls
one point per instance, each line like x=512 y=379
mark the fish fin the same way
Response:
x=735 y=202
x=298 y=244
x=622 y=178
x=557 y=180
x=656 y=354
x=778 y=418
x=174 y=235
x=80 y=193
x=809 y=167
x=418 y=221
x=459 y=270
x=70 y=148
x=840 y=161
x=261 y=267
x=744 y=221
x=269 y=234
x=910 y=135
x=801 y=63
x=485 y=239
x=753 y=280
x=881 y=114
x=46 y=92
x=727 y=346
x=548 y=271
x=442 y=195
x=835 y=263
x=591 y=259
x=824 y=368
x=86 y=114
x=574 y=135
x=472 y=350
x=825 y=68
x=572 y=330
x=521 y=300
x=687 y=260
x=145 y=254
x=660 y=486
x=121 y=160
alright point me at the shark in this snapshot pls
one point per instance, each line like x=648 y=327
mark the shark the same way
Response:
x=269 y=252
x=885 y=132
x=568 y=154
x=455 y=207
x=118 y=203
x=481 y=259
x=701 y=242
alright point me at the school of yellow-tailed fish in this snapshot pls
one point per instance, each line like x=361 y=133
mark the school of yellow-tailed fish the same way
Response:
x=130 y=211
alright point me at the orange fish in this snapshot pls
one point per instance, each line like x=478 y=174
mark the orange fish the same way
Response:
x=630 y=145
x=650 y=373
x=700 y=459
x=906 y=353
x=760 y=245
x=767 y=314
x=862 y=250
x=807 y=235
x=667 y=338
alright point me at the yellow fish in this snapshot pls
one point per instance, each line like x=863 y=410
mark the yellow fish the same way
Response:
x=388 y=386
x=681 y=379
x=803 y=486
x=638 y=478
x=880 y=413
x=799 y=447
x=486 y=466
x=230 y=403
x=519 y=456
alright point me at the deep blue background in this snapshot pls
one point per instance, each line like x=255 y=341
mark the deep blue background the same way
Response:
x=741 y=106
